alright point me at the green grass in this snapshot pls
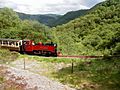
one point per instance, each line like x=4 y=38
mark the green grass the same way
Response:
x=92 y=75
x=52 y=59
x=89 y=74
x=2 y=79
x=6 y=56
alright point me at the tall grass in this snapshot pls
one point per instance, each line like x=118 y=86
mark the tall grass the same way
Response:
x=6 y=56
x=92 y=75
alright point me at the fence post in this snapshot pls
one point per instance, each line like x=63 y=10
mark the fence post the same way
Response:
x=72 y=69
x=24 y=63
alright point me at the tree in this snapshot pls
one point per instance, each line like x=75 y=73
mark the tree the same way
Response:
x=8 y=19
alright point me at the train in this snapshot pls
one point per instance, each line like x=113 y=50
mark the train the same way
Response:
x=29 y=47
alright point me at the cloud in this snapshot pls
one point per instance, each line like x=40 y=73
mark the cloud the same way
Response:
x=48 y=6
x=90 y=3
x=6 y=3
x=64 y=7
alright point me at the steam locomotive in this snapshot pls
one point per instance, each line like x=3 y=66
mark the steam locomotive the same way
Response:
x=29 y=47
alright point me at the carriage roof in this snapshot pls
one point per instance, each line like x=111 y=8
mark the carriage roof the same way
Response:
x=2 y=39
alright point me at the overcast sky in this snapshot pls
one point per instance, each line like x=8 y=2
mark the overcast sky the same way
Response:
x=48 y=6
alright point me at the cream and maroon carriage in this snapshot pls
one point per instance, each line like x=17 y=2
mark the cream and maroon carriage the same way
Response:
x=11 y=44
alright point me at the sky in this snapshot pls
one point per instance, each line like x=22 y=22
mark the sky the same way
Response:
x=48 y=6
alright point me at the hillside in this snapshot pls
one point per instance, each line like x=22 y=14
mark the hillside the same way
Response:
x=12 y=27
x=44 y=19
x=72 y=15
x=69 y=16
x=97 y=33
x=53 y=19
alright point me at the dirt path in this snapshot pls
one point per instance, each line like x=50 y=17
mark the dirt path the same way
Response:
x=31 y=79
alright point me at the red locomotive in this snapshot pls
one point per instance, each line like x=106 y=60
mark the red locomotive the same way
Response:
x=28 y=46
x=48 y=49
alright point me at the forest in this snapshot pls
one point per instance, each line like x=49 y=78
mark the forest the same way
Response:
x=96 y=33
x=11 y=26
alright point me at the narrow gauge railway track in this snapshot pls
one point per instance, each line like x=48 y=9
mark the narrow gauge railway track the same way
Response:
x=83 y=57
x=89 y=57
x=71 y=56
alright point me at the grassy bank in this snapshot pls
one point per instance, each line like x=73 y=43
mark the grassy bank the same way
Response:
x=6 y=56
x=92 y=75
x=88 y=74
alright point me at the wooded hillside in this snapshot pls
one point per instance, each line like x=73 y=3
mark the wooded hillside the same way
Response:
x=97 y=33
x=11 y=26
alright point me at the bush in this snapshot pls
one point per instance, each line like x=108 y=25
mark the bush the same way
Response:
x=6 y=56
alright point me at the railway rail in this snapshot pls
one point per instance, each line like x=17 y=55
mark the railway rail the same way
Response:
x=82 y=56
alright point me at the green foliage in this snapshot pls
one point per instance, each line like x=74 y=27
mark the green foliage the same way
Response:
x=2 y=70
x=9 y=23
x=14 y=28
x=8 y=19
x=69 y=16
x=92 y=75
x=53 y=19
x=50 y=59
x=6 y=56
x=46 y=19
x=97 y=33
x=33 y=30
x=117 y=49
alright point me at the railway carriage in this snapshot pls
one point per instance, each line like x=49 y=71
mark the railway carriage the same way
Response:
x=11 y=44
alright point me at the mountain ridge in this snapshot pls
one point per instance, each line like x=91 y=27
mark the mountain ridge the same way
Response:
x=42 y=18
x=54 y=19
x=70 y=16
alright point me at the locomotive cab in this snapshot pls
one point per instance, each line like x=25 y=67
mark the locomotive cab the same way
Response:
x=51 y=44
x=24 y=44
